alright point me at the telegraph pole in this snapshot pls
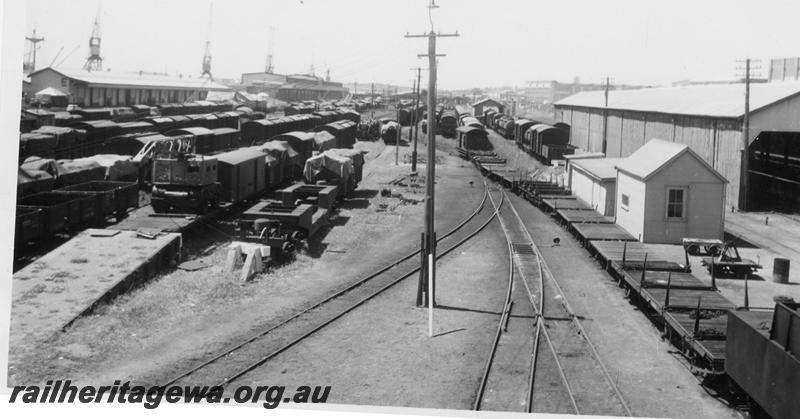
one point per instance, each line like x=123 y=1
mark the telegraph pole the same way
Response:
x=744 y=188
x=430 y=235
x=605 y=115
x=415 y=121
x=372 y=95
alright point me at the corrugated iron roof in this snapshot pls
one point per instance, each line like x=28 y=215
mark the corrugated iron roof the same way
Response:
x=723 y=100
x=655 y=155
x=136 y=80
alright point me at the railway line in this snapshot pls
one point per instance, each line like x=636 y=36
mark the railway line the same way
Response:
x=565 y=371
x=250 y=353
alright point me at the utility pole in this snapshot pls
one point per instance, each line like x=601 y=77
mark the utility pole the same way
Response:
x=397 y=140
x=30 y=65
x=744 y=187
x=430 y=235
x=416 y=121
x=605 y=116
x=372 y=94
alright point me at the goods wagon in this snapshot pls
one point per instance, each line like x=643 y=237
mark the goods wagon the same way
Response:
x=60 y=211
x=505 y=126
x=448 y=123
x=301 y=142
x=471 y=138
x=344 y=130
x=762 y=357
x=241 y=174
x=390 y=131
x=30 y=181
x=30 y=225
x=110 y=198
x=226 y=138
x=520 y=127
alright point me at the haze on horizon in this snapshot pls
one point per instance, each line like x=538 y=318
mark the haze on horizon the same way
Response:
x=502 y=43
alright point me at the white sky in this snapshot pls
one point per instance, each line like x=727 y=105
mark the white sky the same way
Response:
x=503 y=42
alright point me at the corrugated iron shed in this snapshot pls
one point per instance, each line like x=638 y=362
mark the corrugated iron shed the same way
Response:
x=723 y=101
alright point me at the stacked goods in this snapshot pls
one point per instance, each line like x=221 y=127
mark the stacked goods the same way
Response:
x=324 y=140
x=357 y=158
x=332 y=168
x=389 y=132
x=66 y=140
x=280 y=152
x=368 y=130
x=33 y=144
x=116 y=167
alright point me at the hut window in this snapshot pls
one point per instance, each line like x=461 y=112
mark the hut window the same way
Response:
x=675 y=202
x=625 y=201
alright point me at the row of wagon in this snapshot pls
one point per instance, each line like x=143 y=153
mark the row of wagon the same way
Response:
x=45 y=214
x=753 y=350
x=544 y=141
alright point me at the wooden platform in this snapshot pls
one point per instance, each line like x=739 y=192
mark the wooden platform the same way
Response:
x=72 y=280
x=570 y=216
x=146 y=218
x=597 y=232
x=710 y=341
x=659 y=279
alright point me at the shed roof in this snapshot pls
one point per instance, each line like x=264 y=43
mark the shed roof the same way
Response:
x=196 y=131
x=721 y=100
x=654 y=156
x=601 y=168
x=135 y=79
x=239 y=156
x=488 y=99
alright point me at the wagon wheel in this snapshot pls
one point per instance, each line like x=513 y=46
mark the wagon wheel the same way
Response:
x=693 y=249
x=713 y=250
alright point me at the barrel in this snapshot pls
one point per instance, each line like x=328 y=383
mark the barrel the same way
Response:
x=780 y=270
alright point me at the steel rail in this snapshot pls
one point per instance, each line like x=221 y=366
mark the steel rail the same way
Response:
x=572 y=315
x=325 y=300
x=297 y=340
x=539 y=310
x=503 y=317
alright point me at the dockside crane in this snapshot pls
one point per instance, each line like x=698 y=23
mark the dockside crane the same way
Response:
x=207 y=54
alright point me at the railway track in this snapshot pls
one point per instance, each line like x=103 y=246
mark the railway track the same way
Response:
x=565 y=372
x=252 y=352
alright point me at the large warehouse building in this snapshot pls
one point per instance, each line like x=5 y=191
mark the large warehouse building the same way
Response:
x=104 y=88
x=709 y=119
x=295 y=87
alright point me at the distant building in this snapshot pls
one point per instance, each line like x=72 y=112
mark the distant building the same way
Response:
x=295 y=87
x=550 y=91
x=479 y=106
x=104 y=88
x=782 y=69
x=709 y=119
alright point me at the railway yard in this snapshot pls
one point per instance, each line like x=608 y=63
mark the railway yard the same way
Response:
x=521 y=324
x=558 y=248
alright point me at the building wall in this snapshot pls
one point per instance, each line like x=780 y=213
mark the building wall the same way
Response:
x=598 y=194
x=632 y=217
x=716 y=140
x=704 y=215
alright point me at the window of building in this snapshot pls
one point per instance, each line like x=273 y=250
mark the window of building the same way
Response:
x=676 y=200
x=625 y=201
x=64 y=82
